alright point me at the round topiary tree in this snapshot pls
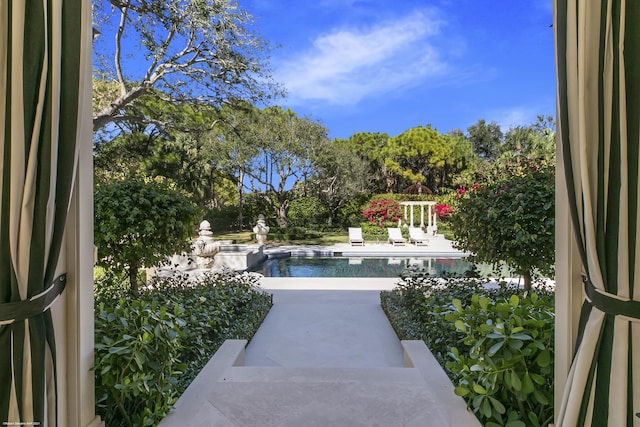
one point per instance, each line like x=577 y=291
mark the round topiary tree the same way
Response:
x=511 y=220
x=139 y=222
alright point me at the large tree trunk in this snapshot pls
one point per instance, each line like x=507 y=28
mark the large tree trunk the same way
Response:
x=282 y=216
x=133 y=277
x=527 y=281
x=240 y=199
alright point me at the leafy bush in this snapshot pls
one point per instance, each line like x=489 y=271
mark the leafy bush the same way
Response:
x=371 y=231
x=506 y=375
x=350 y=215
x=416 y=309
x=511 y=221
x=495 y=345
x=222 y=306
x=136 y=363
x=224 y=218
x=149 y=350
x=307 y=211
x=138 y=222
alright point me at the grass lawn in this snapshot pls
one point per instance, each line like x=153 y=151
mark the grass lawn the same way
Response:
x=319 y=238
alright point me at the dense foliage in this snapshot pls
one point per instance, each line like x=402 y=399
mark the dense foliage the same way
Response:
x=139 y=222
x=495 y=345
x=148 y=350
x=510 y=220
x=506 y=374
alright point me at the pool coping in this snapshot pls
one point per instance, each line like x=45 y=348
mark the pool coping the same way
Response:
x=441 y=248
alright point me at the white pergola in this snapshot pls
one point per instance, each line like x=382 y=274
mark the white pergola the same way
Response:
x=432 y=227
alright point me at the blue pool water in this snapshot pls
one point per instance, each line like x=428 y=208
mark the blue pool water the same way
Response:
x=358 y=267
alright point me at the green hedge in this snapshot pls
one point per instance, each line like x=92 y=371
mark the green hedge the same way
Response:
x=149 y=349
x=495 y=345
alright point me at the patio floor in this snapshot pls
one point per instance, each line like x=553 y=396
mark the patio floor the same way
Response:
x=325 y=355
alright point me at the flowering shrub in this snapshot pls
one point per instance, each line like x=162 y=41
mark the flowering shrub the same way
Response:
x=381 y=212
x=462 y=191
x=443 y=210
x=510 y=220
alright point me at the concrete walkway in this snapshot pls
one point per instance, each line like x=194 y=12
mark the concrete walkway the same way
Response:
x=325 y=355
x=325 y=328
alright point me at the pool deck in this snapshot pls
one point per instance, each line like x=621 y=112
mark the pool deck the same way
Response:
x=325 y=355
x=438 y=247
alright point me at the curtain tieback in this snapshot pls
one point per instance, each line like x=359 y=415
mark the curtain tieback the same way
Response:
x=20 y=310
x=609 y=304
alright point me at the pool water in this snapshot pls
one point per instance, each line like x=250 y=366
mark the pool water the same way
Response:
x=358 y=267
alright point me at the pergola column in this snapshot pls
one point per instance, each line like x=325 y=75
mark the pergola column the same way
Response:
x=411 y=205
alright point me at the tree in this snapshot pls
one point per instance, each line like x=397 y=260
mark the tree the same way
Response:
x=486 y=139
x=286 y=145
x=236 y=136
x=511 y=220
x=188 y=157
x=463 y=162
x=339 y=176
x=420 y=154
x=368 y=146
x=139 y=222
x=190 y=163
x=187 y=51
x=535 y=142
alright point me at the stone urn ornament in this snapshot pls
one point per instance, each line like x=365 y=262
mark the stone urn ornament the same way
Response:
x=261 y=229
x=205 y=247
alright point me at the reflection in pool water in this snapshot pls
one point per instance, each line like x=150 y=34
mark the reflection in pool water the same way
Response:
x=359 y=267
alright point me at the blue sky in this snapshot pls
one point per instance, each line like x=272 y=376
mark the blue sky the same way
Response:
x=387 y=66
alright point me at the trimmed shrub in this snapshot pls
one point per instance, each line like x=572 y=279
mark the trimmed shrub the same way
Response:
x=148 y=350
x=511 y=220
x=495 y=344
x=136 y=361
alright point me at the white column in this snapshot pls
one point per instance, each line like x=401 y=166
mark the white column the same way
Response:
x=435 y=215
x=411 y=205
x=72 y=313
x=421 y=216
x=405 y=212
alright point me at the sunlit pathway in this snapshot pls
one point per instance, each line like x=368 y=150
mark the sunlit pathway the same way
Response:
x=325 y=355
x=311 y=328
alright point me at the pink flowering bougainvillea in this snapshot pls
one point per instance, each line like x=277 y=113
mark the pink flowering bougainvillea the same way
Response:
x=381 y=211
x=443 y=210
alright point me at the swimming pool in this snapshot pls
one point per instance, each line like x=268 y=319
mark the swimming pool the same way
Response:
x=358 y=267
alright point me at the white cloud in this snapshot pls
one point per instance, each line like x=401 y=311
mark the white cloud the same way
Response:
x=347 y=65
x=515 y=116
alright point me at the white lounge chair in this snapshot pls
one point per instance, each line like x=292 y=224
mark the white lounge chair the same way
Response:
x=395 y=236
x=355 y=236
x=417 y=236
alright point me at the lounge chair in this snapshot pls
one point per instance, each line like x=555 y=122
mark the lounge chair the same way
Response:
x=355 y=236
x=417 y=236
x=395 y=236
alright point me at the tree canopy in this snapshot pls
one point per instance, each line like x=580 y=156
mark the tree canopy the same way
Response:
x=510 y=220
x=486 y=139
x=138 y=223
x=200 y=52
